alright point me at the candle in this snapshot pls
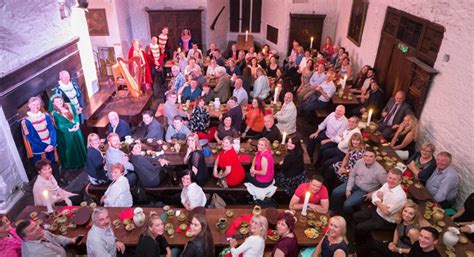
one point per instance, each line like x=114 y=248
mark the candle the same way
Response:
x=246 y=35
x=179 y=99
x=344 y=82
x=305 y=204
x=311 y=43
x=370 y=117
x=48 y=203
x=284 y=138
x=275 y=97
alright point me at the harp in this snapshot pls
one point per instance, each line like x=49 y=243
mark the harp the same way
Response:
x=123 y=76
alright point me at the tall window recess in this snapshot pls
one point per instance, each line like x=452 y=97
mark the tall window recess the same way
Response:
x=245 y=15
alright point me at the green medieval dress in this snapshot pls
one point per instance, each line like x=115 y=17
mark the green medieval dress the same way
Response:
x=71 y=148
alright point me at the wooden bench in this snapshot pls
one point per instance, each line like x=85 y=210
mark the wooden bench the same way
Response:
x=235 y=195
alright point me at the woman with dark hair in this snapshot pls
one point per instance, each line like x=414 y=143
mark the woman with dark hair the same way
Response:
x=192 y=195
x=307 y=72
x=360 y=77
x=272 y=67
x=71 y=149
x=227 y=167
x=200 y=119
x=225 y=128
x=371 y=99
x=186 y=40
x=254 y=119
x=202 y=245
x=253 y=65
x=292 y=172
x=10 y=242
x=195 y=160
x=152 y=243
x=241 y=62
x=287 y=245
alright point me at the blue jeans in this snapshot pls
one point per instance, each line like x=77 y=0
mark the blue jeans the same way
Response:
x=338 y=199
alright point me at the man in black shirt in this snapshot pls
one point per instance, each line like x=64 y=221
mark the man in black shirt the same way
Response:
x=425 y=246
x=271 y=131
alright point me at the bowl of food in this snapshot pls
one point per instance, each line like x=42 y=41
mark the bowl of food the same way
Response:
x=127 y=221
x=116 y=223
x=311 y=215
x=63 y=229
x=273 y=235
x=311 y=223
x=129 y=227
x=168 y=226
x=257 y=210
x=183 y=226
x=244 y=224
x=244 y=231
x=189 y=234
x=229 y=214
x=170 y=213
x=83 y=204
x=463 y=239
x=181 y=217
x=278 y=153
x=311 y=233
x=53 y=227
x=166 y=208
x=34 y=215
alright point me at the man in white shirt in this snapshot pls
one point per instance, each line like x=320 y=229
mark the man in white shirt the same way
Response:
x=334 y=124
x=323 y=94
x=115 y=155
x=286 y=116
x=101 y=240
x=336 y=150
x=389 y=200
x=240 y=93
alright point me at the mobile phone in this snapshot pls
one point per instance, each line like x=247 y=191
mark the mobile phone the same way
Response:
x=79 y=239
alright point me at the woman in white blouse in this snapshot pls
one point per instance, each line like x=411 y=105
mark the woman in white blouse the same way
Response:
x=118 y=193
x=254 y=245
x=192 y=195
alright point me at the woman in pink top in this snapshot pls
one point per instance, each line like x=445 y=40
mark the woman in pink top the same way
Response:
x=262 y=169
x=10 y=242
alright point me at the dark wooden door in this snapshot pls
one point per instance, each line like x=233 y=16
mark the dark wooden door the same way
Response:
x=305 y=26
x=176 y=21
x=399 y=75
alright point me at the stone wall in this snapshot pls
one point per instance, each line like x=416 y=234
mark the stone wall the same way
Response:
x=31 y=28
x=447 y=118
x=277 y=14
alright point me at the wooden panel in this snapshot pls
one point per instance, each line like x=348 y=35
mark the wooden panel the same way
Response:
x=305 y=26
x=245 y=16
x=392 y=21
x=409 y=31
x=234 y=15
x=272 y=34
x=256 y=15
x=176 y=21
x=382 y=62
x=431 y=43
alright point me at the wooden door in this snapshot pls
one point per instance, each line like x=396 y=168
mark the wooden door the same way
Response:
x=399 y=73
x=305 y=26
x=384 y=54
x=176 y=21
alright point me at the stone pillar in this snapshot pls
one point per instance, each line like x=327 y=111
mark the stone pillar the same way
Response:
x=12 y=172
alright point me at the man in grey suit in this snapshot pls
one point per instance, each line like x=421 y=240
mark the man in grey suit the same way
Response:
x=393 y=114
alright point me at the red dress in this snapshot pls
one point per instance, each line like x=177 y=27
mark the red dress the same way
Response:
x=237 y=172
x=147 y=79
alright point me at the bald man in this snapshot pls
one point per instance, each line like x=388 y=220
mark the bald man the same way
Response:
x=286 y=117
x=117 y=125
x=393 y=114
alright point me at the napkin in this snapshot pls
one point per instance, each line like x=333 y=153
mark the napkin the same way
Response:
x=236 y=223
x=126 y=214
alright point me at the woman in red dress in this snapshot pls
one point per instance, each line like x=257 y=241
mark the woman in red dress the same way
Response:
x=136 y=50
x=227 y=167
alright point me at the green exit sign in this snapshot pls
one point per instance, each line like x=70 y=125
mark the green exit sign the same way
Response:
x=404 y=48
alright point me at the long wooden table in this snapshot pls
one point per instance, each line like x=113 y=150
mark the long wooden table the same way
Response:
x=130 y=238
x=246 y=154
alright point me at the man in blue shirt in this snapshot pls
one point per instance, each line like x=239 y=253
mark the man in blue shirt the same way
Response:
x=444 y=182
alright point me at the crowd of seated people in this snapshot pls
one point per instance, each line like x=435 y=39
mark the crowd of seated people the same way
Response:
x=249 y=83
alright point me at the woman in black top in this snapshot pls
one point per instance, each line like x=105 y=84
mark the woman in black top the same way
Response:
x=422 y=163
x=370 y=99
x=272 y=67
x=292 y=172
x=466 y=213
x=152 y=243
x=195 y=160
x=95 y=161
x=225 y=128
x=202 y=245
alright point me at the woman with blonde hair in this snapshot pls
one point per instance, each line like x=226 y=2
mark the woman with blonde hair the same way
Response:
x=423 y=163
x=403 y=142
x=95 y=161
x=333 y=243
x=152 y=242
x=195 y=160
x=262 y=170
x=118 y=193
x=405 y=234
x=254 y=245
